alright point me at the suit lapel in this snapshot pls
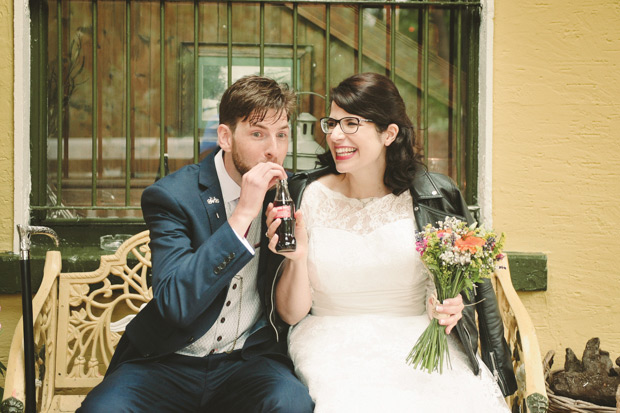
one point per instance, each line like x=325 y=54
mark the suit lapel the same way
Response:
x=211 y=192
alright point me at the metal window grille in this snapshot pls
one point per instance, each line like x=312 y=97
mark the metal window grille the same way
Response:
x=119 y=84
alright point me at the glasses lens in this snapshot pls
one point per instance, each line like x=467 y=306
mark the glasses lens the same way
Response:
x=328 y=124
x=349 y=125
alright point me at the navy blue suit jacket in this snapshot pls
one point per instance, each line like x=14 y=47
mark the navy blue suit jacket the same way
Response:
x=195 y=255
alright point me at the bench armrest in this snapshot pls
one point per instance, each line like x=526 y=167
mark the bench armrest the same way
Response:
x=45 y=316
x=521 y=337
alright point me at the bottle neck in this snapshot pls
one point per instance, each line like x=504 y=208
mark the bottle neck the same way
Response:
x=282 y=193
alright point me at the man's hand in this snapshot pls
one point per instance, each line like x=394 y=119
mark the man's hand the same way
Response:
x=254 y=185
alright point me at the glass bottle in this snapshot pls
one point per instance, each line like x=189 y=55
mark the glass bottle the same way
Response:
x=285 y=211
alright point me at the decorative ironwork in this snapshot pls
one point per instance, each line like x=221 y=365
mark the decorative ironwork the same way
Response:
x=96 y=300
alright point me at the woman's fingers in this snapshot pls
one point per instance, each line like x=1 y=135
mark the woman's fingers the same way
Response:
x=452 y=311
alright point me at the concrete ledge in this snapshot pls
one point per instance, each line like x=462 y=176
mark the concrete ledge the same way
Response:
x=528 y=270
x=74 y=259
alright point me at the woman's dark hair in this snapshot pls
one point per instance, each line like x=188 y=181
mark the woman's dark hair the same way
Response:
x=374 y=96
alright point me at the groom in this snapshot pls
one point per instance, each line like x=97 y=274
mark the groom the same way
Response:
x=206 y=341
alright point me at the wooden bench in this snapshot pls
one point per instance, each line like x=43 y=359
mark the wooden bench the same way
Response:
x=79 y=319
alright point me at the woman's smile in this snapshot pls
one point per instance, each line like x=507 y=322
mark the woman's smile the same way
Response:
x=344 y=152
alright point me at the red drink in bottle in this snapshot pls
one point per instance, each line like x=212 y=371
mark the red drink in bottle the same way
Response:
x=285 y=211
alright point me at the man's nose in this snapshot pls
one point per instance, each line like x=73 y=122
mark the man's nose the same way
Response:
x=271 y=147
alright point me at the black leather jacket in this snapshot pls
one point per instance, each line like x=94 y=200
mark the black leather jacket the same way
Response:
x=435 y=196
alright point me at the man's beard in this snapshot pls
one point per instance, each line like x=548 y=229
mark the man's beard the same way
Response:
x=239 y=163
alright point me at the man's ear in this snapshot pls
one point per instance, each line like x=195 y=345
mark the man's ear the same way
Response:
x=390 y=134
x=224 y=137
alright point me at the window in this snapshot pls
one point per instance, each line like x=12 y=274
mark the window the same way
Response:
x=119 y=84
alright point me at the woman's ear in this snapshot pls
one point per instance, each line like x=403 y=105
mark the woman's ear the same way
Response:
x=224 y=137
x=390 y=134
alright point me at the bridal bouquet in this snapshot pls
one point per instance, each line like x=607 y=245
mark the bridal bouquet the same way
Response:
x=457 y=256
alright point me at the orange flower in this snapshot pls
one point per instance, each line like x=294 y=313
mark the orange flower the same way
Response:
x=469 y=243
x=444 y=231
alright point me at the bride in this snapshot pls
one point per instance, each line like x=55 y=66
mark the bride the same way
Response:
x=356 y=291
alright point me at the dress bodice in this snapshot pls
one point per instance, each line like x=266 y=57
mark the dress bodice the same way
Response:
x=362 y=257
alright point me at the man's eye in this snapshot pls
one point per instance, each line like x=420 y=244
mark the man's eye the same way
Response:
x=282 y=136
x=257 y=134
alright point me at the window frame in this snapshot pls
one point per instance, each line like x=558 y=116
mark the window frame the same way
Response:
x=475 y=193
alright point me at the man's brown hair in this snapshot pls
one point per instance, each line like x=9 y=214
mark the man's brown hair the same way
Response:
x=251 y=97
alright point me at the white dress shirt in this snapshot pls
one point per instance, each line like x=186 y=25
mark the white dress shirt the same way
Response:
x=242 y=307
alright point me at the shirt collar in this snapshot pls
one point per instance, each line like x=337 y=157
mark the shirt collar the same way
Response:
x=230 y=189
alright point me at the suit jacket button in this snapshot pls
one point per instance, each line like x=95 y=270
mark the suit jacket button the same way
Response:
x=146 y=355
x=190 y=340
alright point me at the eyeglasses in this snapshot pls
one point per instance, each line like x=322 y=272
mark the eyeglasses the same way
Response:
x=347 y=125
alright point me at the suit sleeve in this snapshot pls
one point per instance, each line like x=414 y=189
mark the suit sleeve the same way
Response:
x=192 y=267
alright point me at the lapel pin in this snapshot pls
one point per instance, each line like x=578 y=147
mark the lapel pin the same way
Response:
x=213 y=200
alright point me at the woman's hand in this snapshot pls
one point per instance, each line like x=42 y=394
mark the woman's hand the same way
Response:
x=448 y=313
x=301 y=236
x=293 y=295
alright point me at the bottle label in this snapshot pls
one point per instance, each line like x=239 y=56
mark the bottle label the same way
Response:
x=283 y=211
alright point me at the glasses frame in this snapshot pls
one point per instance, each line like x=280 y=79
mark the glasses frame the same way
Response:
x=325 y=119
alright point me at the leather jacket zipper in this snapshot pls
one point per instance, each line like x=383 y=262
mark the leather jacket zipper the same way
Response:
x=496 y=375
x=469 y=347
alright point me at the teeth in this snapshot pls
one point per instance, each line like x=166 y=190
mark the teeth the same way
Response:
x=345 y=151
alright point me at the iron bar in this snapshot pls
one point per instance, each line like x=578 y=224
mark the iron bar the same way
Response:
x=393 y=42
x=327 y=57
x=457 y=103
x=412 y=3
x=295 y=86
x=262 y=39
x=60 y=102
x=229 y=40
x=84 y=208
x=94 y=110
x=471 y=187
x=162 y=85
x=128 y=102
x=197 y=111
x=425 y=77
x=360 y=39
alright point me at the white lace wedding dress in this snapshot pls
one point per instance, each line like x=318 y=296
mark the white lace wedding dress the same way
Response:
x=369 y=290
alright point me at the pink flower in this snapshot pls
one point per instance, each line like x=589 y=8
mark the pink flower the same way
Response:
x=420 y=246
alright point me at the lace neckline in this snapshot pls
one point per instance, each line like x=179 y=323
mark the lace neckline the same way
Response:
x=360 y=201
